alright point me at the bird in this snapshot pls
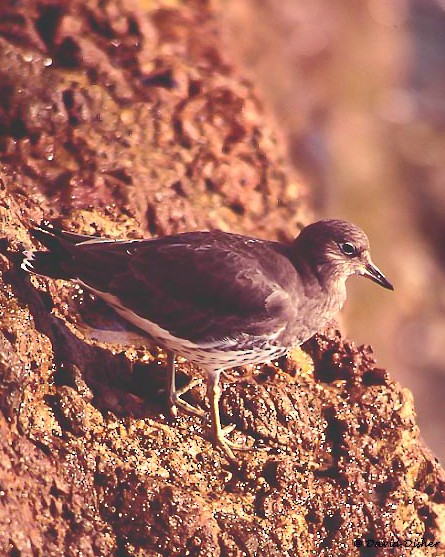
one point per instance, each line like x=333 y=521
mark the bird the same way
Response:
x=218 y=299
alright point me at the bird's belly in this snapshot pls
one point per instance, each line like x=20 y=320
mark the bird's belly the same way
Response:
x=225 y=359
x=223 y=354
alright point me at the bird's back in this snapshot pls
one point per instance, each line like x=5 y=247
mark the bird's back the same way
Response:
x=200 y=286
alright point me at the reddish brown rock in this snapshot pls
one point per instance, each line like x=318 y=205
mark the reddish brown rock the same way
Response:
x=126 y=123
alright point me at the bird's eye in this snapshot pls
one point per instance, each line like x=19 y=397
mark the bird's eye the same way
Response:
x=348 y=249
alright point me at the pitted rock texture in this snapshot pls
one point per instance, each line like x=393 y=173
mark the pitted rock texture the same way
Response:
x=125 y=122
x=105 y=105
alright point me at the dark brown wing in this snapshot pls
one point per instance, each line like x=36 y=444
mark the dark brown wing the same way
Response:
x=200 y=286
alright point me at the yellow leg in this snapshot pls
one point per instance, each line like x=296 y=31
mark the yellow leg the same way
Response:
x=218 y=432
x=174 y=395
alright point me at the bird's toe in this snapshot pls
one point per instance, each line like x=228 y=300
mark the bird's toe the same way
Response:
x=176 y=402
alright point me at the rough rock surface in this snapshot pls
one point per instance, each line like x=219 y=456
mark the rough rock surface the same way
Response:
x=124 y=122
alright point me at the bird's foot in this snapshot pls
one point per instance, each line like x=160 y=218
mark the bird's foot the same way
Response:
x=220 y=440
x=176 y=401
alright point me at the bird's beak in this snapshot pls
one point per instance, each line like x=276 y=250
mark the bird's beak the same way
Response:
x=372 y=272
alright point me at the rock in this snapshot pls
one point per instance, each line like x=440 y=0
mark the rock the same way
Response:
x=125 y=123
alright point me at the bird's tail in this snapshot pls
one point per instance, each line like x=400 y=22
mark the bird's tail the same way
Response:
x=60 y=245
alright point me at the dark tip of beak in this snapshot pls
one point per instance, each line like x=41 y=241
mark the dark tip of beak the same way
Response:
x=375 y=275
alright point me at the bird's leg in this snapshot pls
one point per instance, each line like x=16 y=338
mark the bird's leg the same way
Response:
x=174 y=395
x=218 y=432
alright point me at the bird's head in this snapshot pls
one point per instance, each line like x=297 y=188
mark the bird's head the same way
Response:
x=337 y=249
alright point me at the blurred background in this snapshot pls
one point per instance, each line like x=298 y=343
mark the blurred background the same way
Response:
x=358 y=87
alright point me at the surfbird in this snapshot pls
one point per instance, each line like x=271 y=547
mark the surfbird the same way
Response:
x=219 y=300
